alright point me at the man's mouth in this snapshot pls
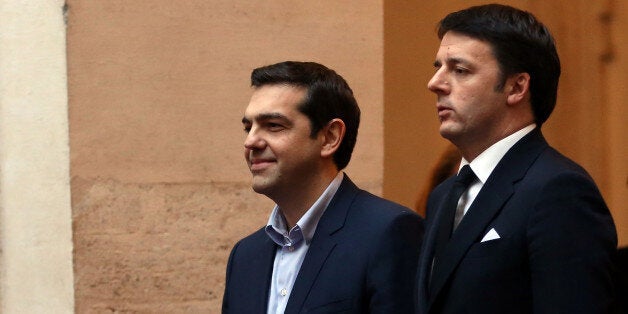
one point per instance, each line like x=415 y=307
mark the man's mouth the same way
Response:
x=259 y=164
x=443 y=111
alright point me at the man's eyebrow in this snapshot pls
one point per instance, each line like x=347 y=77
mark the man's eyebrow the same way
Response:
x=265 y=116
x=452 y=60
x=457 y=60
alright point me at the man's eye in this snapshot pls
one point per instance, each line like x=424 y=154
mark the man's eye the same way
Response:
x=247 y=129
x=461 y=70
x=275 y=126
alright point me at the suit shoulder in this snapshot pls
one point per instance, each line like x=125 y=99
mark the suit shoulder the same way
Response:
x=552 y=164
x=380 y=210
x=367 y=200
x=252 y=240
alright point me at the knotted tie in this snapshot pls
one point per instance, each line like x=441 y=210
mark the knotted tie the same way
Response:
x=443 y=233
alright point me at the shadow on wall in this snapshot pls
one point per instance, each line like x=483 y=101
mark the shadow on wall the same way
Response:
x=622 y=280
x=446 y=166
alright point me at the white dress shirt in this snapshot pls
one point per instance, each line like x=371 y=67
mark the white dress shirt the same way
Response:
x=293 y=246
x=483 y=165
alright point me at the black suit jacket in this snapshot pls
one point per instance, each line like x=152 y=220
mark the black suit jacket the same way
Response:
x=362 y=259
x=554 y=254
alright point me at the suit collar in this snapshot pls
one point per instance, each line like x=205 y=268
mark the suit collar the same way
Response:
x=323 y=243
x=336 y=213
x=493 y=195
x=484 y=164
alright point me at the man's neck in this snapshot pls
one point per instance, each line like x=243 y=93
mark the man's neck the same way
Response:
x=500 y=147
x=294 y=204
x=471 y=148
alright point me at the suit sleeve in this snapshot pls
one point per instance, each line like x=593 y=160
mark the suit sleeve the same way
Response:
x=392 y=269
x=225 y=297
x=571 y=240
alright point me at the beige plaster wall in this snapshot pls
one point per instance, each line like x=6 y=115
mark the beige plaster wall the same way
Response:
x=157 y=89
x=35 y=214
x=616 y=115
x=160 y=191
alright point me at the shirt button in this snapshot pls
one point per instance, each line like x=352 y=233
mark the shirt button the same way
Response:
x=284 y=292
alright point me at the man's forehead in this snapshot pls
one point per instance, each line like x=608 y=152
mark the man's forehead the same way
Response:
x=277 y=93
x=285 y=111
x=456 y=47
x=275 y=98
x=279 y=88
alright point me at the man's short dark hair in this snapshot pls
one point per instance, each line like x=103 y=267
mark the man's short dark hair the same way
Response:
x=519 y=42
x=328 y=97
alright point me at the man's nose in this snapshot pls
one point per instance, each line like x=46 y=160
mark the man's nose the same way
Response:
x=253 y=140
x=438 y=83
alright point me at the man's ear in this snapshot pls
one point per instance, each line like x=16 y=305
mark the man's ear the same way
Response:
x=331 y=137
x=518 y=88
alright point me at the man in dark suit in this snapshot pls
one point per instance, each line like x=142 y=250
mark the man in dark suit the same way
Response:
x=530 y=232
x=328 y=247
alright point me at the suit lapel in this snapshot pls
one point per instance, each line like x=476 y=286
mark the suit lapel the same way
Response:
x=489 y=202
x=259 y=281
x=481 y=213
x=433 y=217
x=323 y=243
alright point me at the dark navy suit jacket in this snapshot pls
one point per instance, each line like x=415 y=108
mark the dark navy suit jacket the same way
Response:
x=554 y=254
x=362 y=259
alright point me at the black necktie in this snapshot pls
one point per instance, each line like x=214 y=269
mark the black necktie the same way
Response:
x=443 y=233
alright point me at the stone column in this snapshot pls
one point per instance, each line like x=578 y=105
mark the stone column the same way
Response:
x=36 y=274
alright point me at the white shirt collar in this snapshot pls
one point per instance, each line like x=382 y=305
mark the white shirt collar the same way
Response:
x=484 y=164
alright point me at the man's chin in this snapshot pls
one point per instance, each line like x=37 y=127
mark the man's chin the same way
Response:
x=445 y=134
x=448 y=132
x=258 y=189
x=259 y=186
